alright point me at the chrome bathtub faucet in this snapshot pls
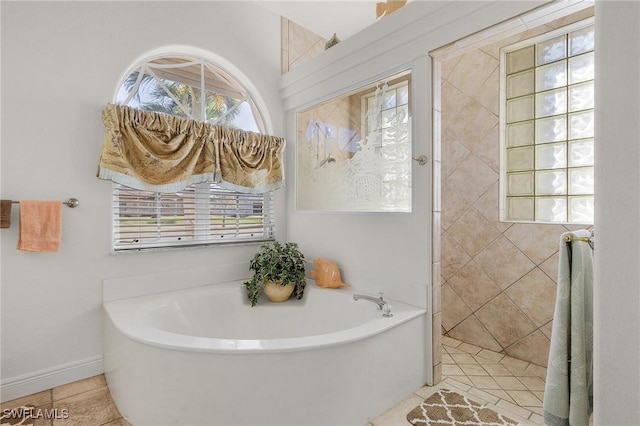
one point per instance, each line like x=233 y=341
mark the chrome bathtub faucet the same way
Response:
x=384 y=306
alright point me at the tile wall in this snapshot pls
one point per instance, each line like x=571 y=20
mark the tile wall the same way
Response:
x=340 y=114
x=498 y=279
x=298 y=45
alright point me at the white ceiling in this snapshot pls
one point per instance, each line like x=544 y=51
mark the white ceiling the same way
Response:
x=325 y=17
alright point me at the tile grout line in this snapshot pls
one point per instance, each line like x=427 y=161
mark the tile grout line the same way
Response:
x=512 y=365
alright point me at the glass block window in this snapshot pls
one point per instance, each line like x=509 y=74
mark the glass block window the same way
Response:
x=548 y=139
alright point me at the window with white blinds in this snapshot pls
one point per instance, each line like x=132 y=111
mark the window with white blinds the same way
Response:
x=193 y=87
x=201 y=214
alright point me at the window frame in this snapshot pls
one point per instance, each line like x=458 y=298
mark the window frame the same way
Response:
x=195 y=234
x=503 y=205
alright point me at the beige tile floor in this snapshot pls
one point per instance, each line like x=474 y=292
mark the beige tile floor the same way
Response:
x=507 y=385
x=84 y=403
x=510 y=386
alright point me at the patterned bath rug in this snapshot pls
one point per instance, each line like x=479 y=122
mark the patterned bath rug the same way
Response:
x=446 y=407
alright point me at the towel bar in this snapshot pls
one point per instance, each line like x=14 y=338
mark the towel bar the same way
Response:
x=71 y=202
x=590 y=239
x=569 y=238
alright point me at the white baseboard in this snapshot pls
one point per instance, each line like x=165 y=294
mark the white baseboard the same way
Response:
x=27 y=384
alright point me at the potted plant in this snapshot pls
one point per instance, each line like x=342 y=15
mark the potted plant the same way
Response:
x=278 y=270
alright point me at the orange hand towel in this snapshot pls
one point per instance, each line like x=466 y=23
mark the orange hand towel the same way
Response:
x=40 y=225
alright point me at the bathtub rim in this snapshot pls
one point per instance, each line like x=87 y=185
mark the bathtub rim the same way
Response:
x=128 y=321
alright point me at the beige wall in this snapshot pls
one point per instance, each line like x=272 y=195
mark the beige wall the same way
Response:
x=498 y=279
x=298 y=45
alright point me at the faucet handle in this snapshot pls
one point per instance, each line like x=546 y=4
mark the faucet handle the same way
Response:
x=386 y=310
x=381 y=295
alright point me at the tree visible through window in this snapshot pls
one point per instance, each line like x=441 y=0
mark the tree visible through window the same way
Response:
x=194 y=88
x=548 y=137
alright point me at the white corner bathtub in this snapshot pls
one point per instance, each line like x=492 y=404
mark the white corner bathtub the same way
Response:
x=203 y=356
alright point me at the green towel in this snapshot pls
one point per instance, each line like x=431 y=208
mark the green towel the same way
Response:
x=568 y=394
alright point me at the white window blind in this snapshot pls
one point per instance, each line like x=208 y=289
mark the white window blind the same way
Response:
x=202 y=214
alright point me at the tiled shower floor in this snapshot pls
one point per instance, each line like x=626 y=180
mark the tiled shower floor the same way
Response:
x=508 y=385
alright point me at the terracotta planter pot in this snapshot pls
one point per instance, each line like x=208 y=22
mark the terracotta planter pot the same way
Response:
x=276 y=292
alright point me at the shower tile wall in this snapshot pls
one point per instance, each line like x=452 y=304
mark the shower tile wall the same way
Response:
x=498 y=279
x=342 y=112
x=298 y=45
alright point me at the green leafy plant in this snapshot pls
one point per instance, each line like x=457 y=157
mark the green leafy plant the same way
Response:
x=281 y=263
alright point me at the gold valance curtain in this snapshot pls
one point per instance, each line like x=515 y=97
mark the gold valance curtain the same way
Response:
x=162 y=153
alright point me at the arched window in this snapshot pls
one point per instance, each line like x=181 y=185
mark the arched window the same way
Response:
x=191 y=87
